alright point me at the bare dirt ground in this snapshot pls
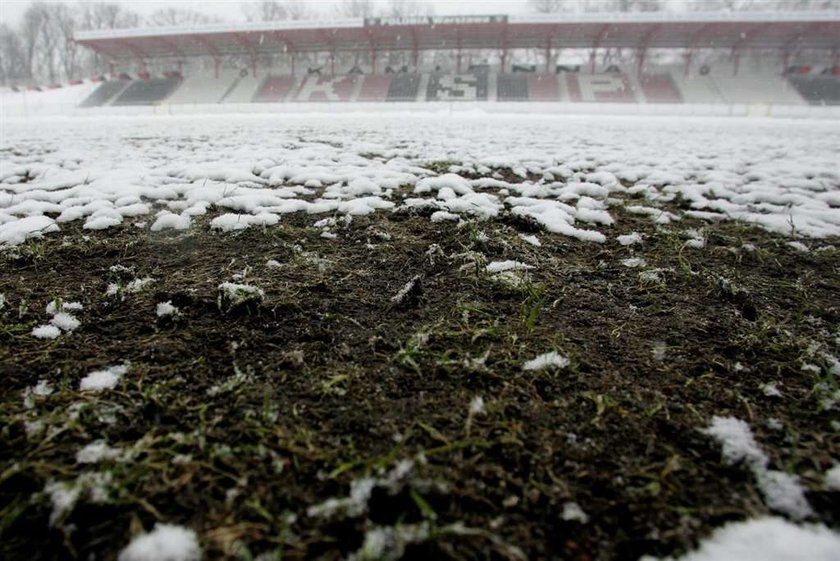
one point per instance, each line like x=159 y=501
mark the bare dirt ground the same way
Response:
x=238 y=420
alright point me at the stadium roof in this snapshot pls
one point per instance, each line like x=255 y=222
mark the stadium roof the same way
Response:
x=788 y=31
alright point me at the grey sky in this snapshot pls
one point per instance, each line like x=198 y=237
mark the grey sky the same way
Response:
x=11 y=10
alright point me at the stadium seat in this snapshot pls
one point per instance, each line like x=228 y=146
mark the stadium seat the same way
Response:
x=512 y=87
x=403 y=87
x=659 y=88
x=543 y=87
x=609 y=88
x=457 y=87
x=324 y=88
x=375 y=88
x=275 y=89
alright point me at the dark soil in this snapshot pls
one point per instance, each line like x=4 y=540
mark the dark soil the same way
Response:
x=275 y=406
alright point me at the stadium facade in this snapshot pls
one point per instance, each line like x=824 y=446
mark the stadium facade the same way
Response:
x=775 y=59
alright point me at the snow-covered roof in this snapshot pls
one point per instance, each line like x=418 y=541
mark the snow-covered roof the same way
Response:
x=782 y=30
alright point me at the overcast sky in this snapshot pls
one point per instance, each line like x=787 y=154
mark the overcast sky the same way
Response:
x=11 y=10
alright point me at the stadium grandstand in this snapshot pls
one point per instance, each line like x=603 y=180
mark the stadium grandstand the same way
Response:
x=773 y=59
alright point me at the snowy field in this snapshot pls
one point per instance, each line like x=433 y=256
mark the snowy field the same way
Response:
x=400 y=336
x=566 y=173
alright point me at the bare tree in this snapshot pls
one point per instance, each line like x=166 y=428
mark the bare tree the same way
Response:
x=356 y=8
x=549 y=6
x=12 y=56
x=104 y=15
x=273 y=10
x=408 y=8
x=62 y=25
x=171 y=17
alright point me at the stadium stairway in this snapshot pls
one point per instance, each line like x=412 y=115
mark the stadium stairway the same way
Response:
x=458 y=87
x=817 y=89
x=244 y=90
x=147 y=92
x=105 y=93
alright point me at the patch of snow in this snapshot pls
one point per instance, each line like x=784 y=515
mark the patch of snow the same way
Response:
x=103 y=379
x=233 y=294
x=530 y=239
x=500 y=266
x=632 y=238
x=235 y=222
x=782 y=492
x=634 y=262
x=170 y=221
x=167 y=542
x=443 y=216
x=799 y=246
x=387 y=543
x=65 y=494
x=771 y=389
x=832 y=478
x=65 y=321
x=573 y=512
x=407 y=289
x=166 y=309
x=765 y=539
x=96 y=452
x=46 y=332
x=545 y=360
x=476 y=405
x=57 y=306
x=20 y=230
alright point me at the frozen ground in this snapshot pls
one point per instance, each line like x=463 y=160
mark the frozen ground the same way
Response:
x=385 y=336
x=564 y=173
